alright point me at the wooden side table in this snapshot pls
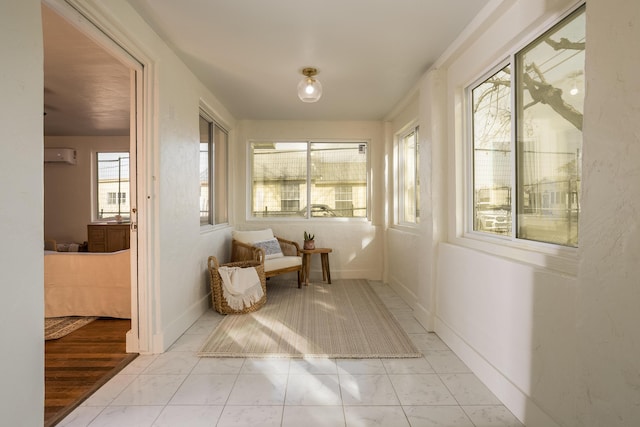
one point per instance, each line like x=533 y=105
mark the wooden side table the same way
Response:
x=324 y=258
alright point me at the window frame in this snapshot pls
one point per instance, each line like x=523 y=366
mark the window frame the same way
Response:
x=218 y=158
x=551 y=255
x=400 y=181
x=119 y=195
x=307 y=195
x=470 y=214
x=208 y=219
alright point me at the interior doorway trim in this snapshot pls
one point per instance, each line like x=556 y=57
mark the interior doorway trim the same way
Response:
x=91 y=22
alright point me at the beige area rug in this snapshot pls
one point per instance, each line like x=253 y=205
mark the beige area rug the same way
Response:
x=343 y=320
x=58 y=327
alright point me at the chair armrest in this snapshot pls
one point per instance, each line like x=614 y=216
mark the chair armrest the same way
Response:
x=289 y=247
x=244 y=252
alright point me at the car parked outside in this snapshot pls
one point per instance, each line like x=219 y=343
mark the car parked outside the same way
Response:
x=494 y=220
x=318 y=210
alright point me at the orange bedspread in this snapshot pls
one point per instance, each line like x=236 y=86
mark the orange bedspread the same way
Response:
x=87 y=284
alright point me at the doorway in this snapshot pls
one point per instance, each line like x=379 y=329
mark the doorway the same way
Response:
x=103 y=110
x=106 y=108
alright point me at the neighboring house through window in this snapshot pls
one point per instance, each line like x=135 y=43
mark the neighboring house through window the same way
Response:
x=309 y=179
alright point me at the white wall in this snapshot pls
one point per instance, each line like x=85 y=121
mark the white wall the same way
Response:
x=22 y=300
x=411 y=251
x=68 y=188
x=357 y=244
x=609 y=278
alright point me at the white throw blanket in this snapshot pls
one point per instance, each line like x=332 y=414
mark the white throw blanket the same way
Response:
x=241 y=287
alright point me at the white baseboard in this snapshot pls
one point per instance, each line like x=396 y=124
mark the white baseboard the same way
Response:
x=420 y=312
x=163 y=340
x=520 y=404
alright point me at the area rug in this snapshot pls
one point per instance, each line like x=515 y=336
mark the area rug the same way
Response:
x=343 y=320
x=58 y=327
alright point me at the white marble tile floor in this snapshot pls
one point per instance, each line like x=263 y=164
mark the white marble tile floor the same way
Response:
x=179 y=389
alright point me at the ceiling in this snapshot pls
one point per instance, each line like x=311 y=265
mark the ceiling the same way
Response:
x=250 y=53
x=86 y=90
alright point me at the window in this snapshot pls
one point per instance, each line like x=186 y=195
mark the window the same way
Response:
x=206 y=169
x=213 y=172
x=408 y=178
x=114 y=198
x=112 y=185
x=534 y=146
x=344 y=200
x=309 y=179
x=290 y=197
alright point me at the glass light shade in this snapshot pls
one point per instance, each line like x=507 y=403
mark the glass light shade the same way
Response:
x=309 y=89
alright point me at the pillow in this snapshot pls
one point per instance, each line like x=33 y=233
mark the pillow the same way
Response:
x=271 y=248
x=251 y=237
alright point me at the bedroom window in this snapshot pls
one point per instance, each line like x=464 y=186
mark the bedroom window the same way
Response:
x=408 y=178
x=309 y=179
x=213 y=172
x=112 y=185
x=527 y=139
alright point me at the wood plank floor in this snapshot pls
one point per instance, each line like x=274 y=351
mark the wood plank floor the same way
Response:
x=78 y=364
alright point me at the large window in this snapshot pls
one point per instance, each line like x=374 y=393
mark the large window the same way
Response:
x=112 y=186
x=309 y=179
x=527 y=135
x=408 y=178
x=213 y=172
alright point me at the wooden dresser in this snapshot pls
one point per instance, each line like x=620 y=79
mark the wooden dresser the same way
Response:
x=108 y=237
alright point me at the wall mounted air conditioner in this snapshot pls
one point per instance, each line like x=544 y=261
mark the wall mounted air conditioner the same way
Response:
x=60 y=155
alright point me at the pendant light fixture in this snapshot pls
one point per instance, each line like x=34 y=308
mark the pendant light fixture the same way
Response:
x=309 y=88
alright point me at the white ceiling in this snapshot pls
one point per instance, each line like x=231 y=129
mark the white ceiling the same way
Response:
x=86 y=90
x=249 y=53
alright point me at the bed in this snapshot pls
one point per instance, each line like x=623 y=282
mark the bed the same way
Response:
x=87 y=284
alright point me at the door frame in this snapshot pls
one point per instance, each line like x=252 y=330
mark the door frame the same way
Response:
x=88 y=21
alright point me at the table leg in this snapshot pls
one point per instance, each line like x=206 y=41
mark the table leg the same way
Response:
x=306 y=267
x=326 y=273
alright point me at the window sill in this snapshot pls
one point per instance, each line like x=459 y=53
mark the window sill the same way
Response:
x=210 y=228
x=303 y=219
x=551 y=257
x=407 y=228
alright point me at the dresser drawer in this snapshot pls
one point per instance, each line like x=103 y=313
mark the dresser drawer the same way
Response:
x=108 y=237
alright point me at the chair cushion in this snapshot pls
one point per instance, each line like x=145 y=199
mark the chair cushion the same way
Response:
x=271 y=248
x=250 y=237
x=282 y=262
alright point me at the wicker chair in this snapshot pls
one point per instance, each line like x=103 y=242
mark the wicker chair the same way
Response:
x=247 y=245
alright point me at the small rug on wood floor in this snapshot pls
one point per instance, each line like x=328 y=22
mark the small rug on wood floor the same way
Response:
x=343 y=320
x=58 y=327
